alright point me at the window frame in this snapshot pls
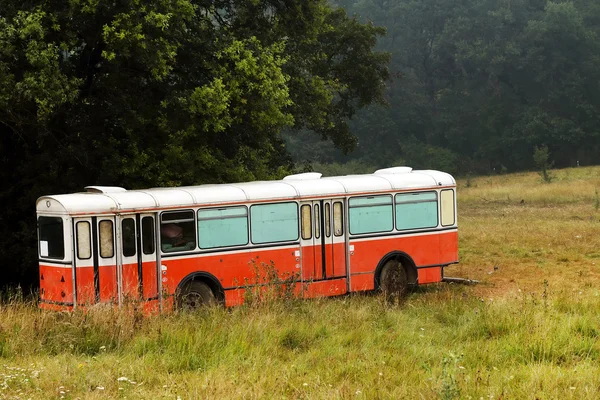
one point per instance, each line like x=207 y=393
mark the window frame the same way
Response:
x=391 y=204
x=453 y=207
x=341 y=213
x=228 y=217
x=437 y=208
x=64 y=242
x=280 y=241
x=327 y=218
x=89 y=228
x=310 y=222
x=101 y=249
x=123 y=220
x=161 y=222
x=153 y=235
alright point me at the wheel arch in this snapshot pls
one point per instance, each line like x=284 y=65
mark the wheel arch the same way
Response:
x=407 y=262
x=209 y=279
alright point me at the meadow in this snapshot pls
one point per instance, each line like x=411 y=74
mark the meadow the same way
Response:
x=529 y=329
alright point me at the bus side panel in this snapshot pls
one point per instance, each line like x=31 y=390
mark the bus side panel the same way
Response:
x=449 y=247
x=85 y=285
x=149 y=280
x=130 y=282
x=108 y=283
x=339 y=259
x=233 y=269
x=430 y=275
x=362 y=282
x=425 y=250
x=56 y=284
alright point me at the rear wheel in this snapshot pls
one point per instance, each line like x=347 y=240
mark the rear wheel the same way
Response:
x=393 y=280
x=194 y=295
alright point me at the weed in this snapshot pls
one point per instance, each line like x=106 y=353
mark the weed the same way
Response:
x=541 y=158
x=268 y=285
x=449 y=383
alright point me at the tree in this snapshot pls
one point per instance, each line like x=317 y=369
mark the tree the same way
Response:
x=144 y=93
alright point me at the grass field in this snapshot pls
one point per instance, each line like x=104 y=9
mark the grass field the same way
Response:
x=530 y=329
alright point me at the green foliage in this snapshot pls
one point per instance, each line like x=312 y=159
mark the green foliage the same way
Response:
x=154 y=93
x=485 y=80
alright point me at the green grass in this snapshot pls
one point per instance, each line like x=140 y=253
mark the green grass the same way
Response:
x=530 y=329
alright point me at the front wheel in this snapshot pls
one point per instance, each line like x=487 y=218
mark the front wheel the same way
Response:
x=195 y=295
x=393 y=281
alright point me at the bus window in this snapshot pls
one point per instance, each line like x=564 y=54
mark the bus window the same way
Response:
x=370 y=214
x=306 y=222
x=222 y=227
x=271 y=223
x=128 y=233
x=107 y=246
x=317 y=222
x=447 y=202
x=177 y=231
x=84 y=242
x=416 y=210
x=52 y=241
x=338 y=219
x=327 y=219
x=148 y=235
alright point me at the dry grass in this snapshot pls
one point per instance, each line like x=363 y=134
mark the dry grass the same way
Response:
x=529 y=330
x=530 y=231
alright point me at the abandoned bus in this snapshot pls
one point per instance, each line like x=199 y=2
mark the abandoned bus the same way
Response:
x=201 y=244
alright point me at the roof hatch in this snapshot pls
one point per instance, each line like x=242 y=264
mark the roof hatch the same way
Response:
x=393 y=170
x=306 y=176
x=104 y=189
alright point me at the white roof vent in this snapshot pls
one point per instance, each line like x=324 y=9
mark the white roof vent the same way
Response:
x=104 y=189
x=307 y=176
x=393 y=170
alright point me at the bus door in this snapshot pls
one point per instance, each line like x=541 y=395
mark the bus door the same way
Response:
x=137 y=251
x=322 y=240
x=95 y=260
x=335 y=238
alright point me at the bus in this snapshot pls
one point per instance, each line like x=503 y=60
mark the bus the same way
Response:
x=196 y=245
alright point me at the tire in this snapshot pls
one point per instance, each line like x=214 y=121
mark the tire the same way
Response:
x=195 y=295
x=393 y=281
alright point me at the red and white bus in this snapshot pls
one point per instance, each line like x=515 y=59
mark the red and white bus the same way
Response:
x=201 y=243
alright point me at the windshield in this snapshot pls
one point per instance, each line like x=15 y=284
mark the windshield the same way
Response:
x=52 y=242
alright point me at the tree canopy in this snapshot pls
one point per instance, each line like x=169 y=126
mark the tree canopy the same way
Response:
x=477 y=85
x=168 y=92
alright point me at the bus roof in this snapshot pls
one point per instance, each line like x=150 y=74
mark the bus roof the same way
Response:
x=100 y=199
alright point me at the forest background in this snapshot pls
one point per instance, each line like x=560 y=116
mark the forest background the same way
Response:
x=179 y=92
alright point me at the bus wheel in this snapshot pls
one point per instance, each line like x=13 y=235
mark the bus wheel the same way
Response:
x=393 y=281
x=194 y=295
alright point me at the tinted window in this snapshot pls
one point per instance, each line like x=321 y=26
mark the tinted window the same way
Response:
x=52 y=241
x=327 y=219
x=177 y=231
x=128 y=233
x=416 y=210
x=370 y=214
x=222 y=227
x=148 y=235
x=274 y=222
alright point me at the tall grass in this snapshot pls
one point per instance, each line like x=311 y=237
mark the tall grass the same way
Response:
x=529 y=330
x=444 y=342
